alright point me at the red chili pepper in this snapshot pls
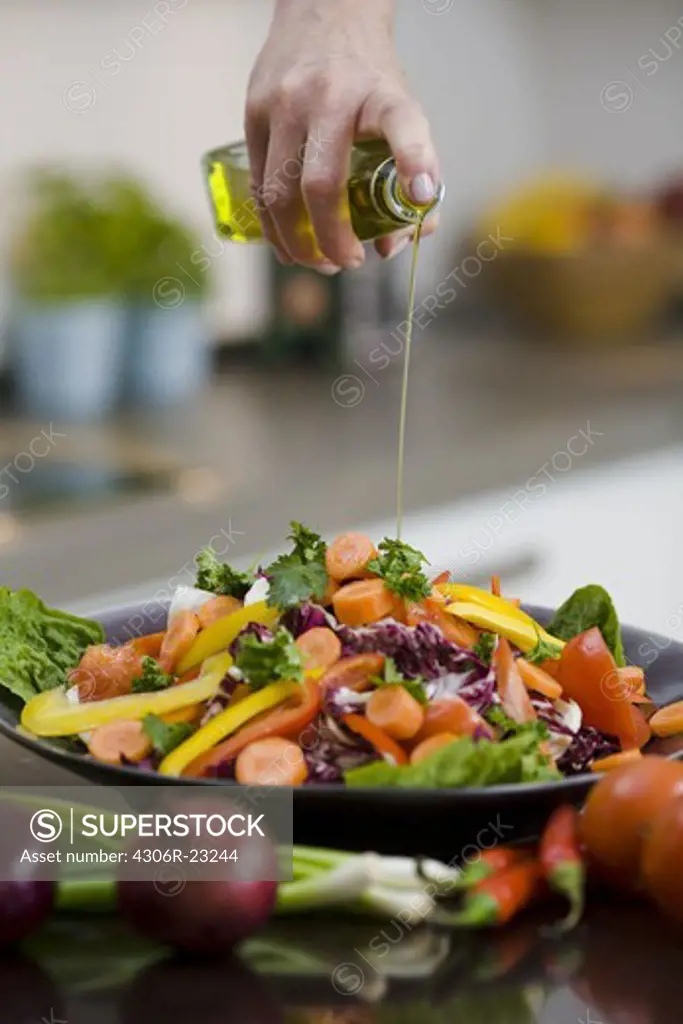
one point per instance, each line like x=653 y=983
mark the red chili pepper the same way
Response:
x=497 y=899
x=561 y=860
x=489 y=862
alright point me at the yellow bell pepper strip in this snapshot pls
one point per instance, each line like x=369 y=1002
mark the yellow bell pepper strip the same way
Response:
x=474 y=595
x=224 y=724
x=524 y=635
x=52 y=714
x=220 y=634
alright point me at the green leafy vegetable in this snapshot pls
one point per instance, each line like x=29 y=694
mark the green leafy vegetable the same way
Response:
x=509 y=727
x=153 y=678
x=400 y=566
x=484 y=647
x=165 y=737
x=39 y=645
x=300 y=575
x=392 y=676
x=219 y=577
x=266 y=661
x=587 y=607
x=543 y=651
x=466 y=763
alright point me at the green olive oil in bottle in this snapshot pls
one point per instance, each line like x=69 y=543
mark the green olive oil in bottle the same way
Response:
x=377 y=204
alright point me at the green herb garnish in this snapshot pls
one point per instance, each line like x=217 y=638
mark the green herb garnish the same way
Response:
x=543 y=651
x=400 y=566
x=266 y=661
x=484 y=647
x=587 y=607
x=300 y=575
x=153 y=678
x=165 y=737
x=219 y=577
x=392 y=677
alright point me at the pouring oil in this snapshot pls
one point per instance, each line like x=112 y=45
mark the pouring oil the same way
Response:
x=377 y=207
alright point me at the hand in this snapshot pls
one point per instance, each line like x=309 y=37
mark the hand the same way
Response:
x=327 y=76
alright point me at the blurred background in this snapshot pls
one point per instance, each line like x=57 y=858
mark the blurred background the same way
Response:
x=161 y=388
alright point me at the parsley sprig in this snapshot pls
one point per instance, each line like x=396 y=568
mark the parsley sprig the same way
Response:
x=393 y=677
x=219 y=577
x=484 y=647
x=543 y=651
x=165 y=737
x=266 y=661
x=300 y=575
x=153 y=678
x=400 y=566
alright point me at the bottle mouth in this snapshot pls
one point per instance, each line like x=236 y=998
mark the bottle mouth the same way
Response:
x=398 y=204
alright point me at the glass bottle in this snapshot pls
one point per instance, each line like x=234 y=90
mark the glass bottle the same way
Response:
x=377 y=205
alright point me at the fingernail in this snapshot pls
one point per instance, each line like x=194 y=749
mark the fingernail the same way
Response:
x=422 y=189
x=328 y=269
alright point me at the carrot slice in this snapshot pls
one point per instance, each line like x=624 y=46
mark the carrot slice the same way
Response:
x=217 y=608
x=178 y=640
x=513 y=693
x=354 y=673
x=188 y=715
x=362 y=602
x=149 y=646
x=608 y=764
x=330 y=590
x=452 y=715
x=534 y=678
x=382 y=743
x=631 y=681
x=668 y=721
x=395 y=711
x=111 y=742
x=320 y=647
x=495 y=586
x=271 y=762
x=430 y=746
x=454 y=629
x=348 y=555
x=106 y=671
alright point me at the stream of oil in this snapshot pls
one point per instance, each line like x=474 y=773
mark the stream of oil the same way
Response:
x=400 y=465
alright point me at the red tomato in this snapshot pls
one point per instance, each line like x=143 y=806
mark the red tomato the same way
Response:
x=662 y=858
x=587 y=673
x=619 y=813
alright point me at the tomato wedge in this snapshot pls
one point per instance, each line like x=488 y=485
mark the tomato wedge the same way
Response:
x=588 y=674
x=513 y=693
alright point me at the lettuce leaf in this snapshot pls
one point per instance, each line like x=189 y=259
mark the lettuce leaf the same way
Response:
x=467 y=763
x=587 y=607
x=38 y=645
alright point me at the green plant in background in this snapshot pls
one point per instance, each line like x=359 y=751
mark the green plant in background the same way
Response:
x=104 y=239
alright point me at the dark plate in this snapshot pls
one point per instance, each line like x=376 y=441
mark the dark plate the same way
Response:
x=436 y=822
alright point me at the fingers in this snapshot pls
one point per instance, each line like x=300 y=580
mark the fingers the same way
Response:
x=395 y=116
x=324 y=185
x=257 y=134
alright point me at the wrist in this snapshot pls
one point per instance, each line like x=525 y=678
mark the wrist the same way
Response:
x=377 y=13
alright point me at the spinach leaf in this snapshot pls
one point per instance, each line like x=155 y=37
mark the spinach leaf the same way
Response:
x=587 y=607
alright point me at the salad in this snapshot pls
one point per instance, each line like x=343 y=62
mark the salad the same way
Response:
x=341 y=663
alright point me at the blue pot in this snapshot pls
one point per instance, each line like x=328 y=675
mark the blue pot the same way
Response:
x=67 y=358
x=168 y=357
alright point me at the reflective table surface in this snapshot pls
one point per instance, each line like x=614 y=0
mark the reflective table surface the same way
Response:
x=620 y=966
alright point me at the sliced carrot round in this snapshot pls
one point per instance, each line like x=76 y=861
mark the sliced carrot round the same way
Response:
x=430 y=746
x=354 y=673
x=330 y=590
x=395 y=711
x=178 y=640
x=217 y=608
x=363 y=602
x=271 y=762
x=668 y=721
x=124 y=738
x=320 y=647
x=348 y=555
x=613 y=761
x=453 y=716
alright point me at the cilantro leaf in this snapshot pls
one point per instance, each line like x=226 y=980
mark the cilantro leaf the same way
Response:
x=543 y=651
x=484 y=647
x=165 y=737
x=219 y=577
x=465 y=763
x=300 y=575
x=393 y=677
x=153 y=678
x=266 y=661
x=400 y=566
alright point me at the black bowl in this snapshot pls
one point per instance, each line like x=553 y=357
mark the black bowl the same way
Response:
x=439 y=823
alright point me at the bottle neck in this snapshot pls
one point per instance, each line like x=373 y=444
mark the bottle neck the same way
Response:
x=390 y=201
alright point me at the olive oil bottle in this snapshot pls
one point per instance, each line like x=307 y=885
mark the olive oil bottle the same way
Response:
x=377 y=205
